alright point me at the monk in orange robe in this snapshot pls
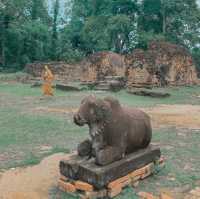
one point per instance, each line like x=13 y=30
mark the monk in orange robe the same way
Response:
x=48 y=78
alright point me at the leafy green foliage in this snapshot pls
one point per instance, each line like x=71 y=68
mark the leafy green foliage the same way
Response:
x=54 y=47
x=119 y=28
x=94 y=34
x=145 y=37
x=150 y=18
x=196 y=56
x=24 y=33
x=30 y=32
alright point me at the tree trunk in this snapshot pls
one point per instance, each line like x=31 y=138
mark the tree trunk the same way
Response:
x=3 y=54
x=164 y=19
x=4 y=27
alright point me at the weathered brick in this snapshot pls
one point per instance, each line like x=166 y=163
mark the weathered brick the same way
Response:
x=114 y=191
x=63 y=178
x=83 y=186
x=66 y=186
x=165 y=196
x=145 y=195
x=195 y=192
x=119 y=182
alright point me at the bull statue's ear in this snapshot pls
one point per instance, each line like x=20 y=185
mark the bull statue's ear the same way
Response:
x=102 y=109
x=90 y=98
x=114 y=103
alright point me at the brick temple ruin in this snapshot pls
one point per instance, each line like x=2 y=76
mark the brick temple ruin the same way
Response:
x=161 y=64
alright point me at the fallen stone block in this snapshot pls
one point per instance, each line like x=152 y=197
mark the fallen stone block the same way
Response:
x=149 y=93
x=65 y=87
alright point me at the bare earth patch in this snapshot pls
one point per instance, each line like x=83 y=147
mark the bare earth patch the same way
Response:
x=180 y=116
x=56 y=110
x=31 y=182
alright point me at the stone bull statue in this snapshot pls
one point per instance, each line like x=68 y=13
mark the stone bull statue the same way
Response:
x=114 y=130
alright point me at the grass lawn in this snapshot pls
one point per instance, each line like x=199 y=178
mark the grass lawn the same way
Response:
x=27 y=135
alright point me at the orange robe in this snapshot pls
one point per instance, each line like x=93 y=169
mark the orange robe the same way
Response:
x=48 y=78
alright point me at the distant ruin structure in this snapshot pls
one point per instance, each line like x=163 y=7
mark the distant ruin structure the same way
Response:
x=61 y=70
x=102 y=64
x=161 y=64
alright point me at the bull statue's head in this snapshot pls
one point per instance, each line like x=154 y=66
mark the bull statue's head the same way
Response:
x=92 y=110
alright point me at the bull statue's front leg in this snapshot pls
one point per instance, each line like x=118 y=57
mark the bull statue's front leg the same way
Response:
x=110 y=154
x=97 y=138
x=85 y=148
x=103 y=153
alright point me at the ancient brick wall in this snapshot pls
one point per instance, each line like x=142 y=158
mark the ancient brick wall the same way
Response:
x=161 y=64
x=61 y=70
x=104 y=64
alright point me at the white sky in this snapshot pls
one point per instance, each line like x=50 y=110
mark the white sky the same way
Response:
x=62 y=5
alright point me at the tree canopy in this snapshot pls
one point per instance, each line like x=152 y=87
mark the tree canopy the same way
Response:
x=30 y=32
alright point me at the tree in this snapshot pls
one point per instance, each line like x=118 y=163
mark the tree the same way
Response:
x=119 y=28
x=54 y=47
x=94 y=35
x=38 y=10
x=102 y=24
x=181 y=21
x=177 y=21
x=29 y=32
x=11 y=13
x=150 y=18
x=126 y=7
x=24 y=32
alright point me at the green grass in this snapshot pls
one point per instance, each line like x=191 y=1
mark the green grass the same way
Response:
x=11 y=76
x=127 y=193
x=181 y=149
x=179 y=95
x=24 y=131
x=23 y=134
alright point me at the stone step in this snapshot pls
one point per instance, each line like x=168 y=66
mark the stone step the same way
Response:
x=102 y=86
x=120 y=78
x=102 y=82
x=102 y=89
x=65 y=87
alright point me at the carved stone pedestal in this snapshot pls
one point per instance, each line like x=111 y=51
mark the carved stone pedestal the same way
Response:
x=77 y=168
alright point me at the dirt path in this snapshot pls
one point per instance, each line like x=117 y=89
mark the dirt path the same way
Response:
x=180 y=116
x=31 y=182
